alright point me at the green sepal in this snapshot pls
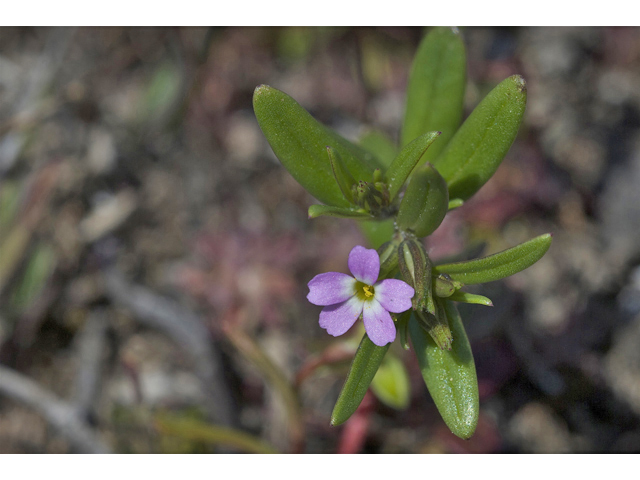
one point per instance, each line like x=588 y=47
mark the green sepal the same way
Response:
x=466 y=297
x=415 y=269
x=435 y=90
x=388 y=253
x=300 y=142
x=481 y=143
x=499 y=265
x=450 y=375
x=405 y=162
x=363 y=368
x=344 y=179
x=391 y=383
x=425 y=202
x=380 y=146
x=330 y=211
x=402 y=326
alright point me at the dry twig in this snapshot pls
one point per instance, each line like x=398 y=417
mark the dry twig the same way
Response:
x=187 y=330
x=61 y=415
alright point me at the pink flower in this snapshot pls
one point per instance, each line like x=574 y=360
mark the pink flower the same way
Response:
x=345 y=298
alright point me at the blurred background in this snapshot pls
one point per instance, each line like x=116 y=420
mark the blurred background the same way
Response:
x=154 y=254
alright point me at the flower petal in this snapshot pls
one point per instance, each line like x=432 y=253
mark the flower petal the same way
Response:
x=330 y=288
x=378 y=323
x=394 y=295
x=337 y=319
x=364 y=264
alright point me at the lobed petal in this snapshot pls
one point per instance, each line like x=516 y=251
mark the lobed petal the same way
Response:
x=338 y=319
x=394 y=295
x=378 y=323
x=364 y=264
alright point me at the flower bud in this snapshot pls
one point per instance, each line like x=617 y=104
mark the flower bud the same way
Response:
x=443 y=286
x=415 y=267
x=372 y=197
x=437 y=326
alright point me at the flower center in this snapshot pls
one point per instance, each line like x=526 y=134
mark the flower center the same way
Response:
x=364 y=291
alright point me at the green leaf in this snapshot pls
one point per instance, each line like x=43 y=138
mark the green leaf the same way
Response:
x=466 y=297
x=163 y=93
x=499 y=265
x=196 y=430
x=405 y=162
x=300 y=143
x=435 y=91
x=9 y=203
x=455 y=203
x=391 y=383
x=327 y=210
x=425 y=202
x=343 y=177
x=39 y=268
x=364 y=367
x=479 y=146
x=380 y=146
x=450 y=375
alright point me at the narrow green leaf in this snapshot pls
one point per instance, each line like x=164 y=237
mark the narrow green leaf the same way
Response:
x=455 y=203
x=391 y=383
x=499 y=265
x=39 y=268
x=405 y=162
x=425 y=202
x=300 y=142
x=12 y=251
x=479 y=146
x=327 y=210
x=196 y=430
x=450 y=375
x=380 y=146
x=364 y=367
x=435 y=91
x=9 y=203
x=343 y=177
x=466 y=297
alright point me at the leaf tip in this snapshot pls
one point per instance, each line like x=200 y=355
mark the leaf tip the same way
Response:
x=520 y=83
x=334 y=421
x=260 y=88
